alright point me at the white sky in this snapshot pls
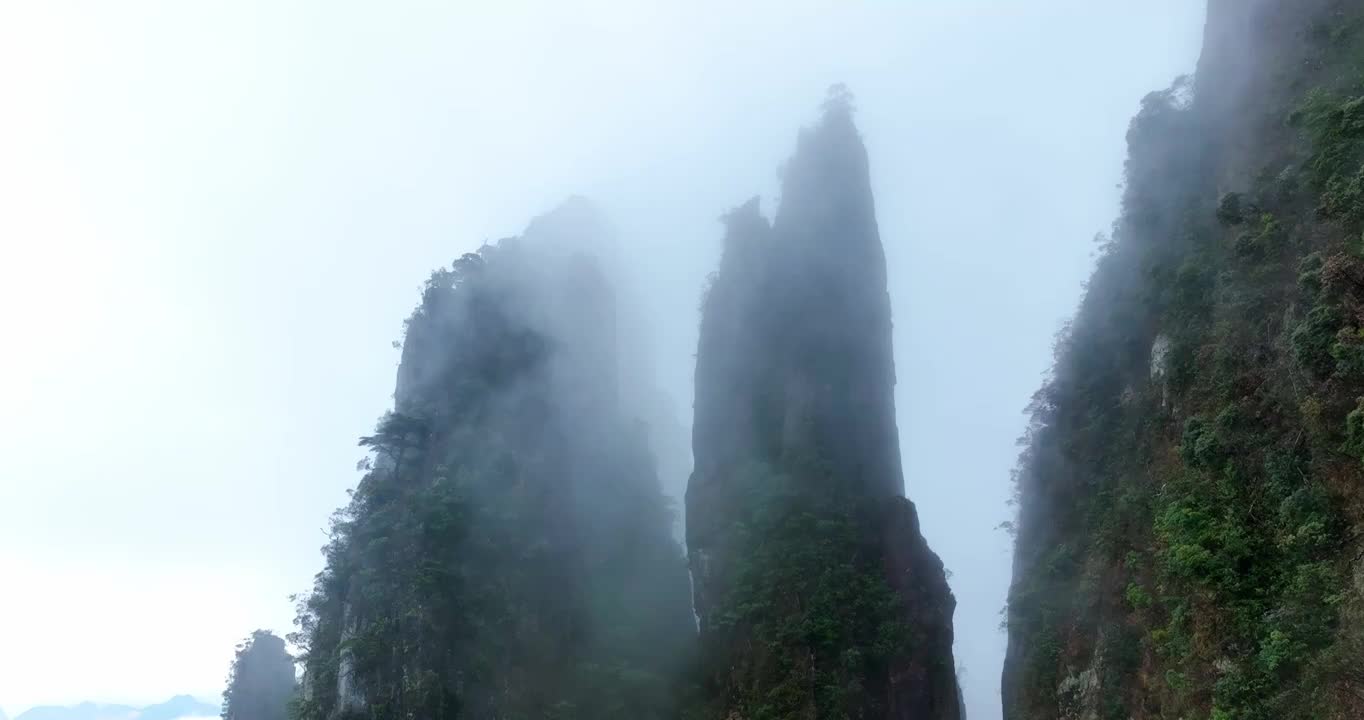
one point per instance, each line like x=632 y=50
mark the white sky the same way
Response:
x=214 y=216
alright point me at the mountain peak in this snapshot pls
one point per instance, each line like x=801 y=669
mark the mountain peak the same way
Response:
x=179 y=706
x=797 y=461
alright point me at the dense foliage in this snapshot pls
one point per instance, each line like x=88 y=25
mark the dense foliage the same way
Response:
x=807 y=588
x=1188 y=493
x=261 y=684
x=508 y=551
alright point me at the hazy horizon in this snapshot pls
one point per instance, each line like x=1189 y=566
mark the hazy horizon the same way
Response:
x=217 y=216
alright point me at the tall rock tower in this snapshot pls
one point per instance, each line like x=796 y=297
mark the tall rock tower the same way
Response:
x=817 y=595
x=509 y=552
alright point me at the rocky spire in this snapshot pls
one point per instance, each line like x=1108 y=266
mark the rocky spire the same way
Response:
x=816 y=593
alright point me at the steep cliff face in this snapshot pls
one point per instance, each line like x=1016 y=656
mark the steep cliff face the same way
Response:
x=1188 y=538
x=816 y=593
x=508 y=554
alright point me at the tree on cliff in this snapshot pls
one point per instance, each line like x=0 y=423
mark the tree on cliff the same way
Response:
x=261 y=683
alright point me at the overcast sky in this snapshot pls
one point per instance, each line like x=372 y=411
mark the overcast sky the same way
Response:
x=215 y=215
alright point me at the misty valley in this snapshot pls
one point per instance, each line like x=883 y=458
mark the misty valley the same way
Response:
x=539 y=531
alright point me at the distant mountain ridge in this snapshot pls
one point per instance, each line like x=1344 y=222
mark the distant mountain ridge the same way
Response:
x=180 y=706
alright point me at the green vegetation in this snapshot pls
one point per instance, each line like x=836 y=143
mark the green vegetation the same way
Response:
x=1248 y=545
x=1336 y=129
x=809 y=589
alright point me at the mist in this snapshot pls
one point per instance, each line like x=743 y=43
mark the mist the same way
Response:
x=214 y=219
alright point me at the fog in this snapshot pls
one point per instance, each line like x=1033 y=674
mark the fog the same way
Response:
x=215 y=216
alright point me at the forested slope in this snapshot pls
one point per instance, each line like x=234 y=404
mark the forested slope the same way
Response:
x=1188 y=534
